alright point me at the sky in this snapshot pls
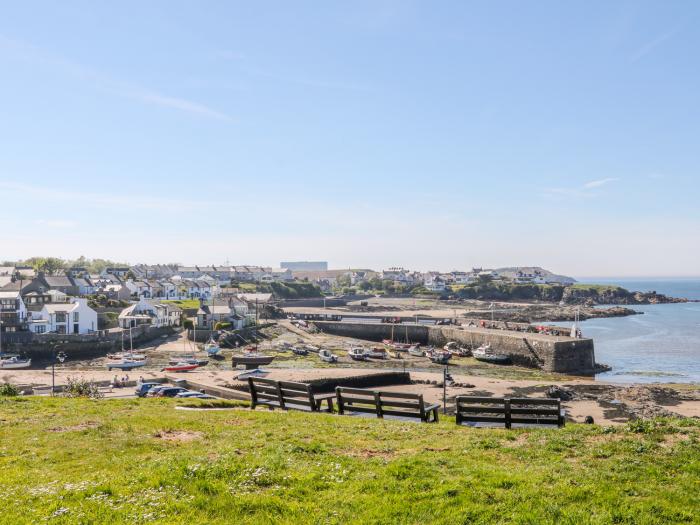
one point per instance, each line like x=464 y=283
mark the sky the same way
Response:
x=429 y=135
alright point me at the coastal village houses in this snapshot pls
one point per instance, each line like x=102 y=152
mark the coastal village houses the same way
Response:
x=13 y=312
x=150 y=312
x=74 y=317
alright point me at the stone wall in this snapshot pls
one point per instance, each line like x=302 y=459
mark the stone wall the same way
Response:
x=550 y=353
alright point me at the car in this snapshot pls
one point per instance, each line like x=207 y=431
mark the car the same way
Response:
x=197 y=395
x=153 y=391
x=143 y=388
x=170 y=391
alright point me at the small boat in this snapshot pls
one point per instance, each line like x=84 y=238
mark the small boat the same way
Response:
x=120 y=356
x=358 y=354
x=486 y=354
x=300 y=350
x=211 y=348
x=14 y=362
x=189 y=360
x=255 y=372
x=180 y=367
x=312 y=348
x=377 y=353
x=327 y=356
x=416 y=351
x=440 y=357
x=251 y=360
x=126 y=364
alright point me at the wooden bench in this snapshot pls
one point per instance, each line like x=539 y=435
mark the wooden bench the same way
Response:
x=286 y=395
x=507 y=412
x=384 y=403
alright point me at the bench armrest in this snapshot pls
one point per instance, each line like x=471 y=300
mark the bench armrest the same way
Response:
x=428 y=408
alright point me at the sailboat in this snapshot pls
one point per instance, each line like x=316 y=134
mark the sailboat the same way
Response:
x=211 y=347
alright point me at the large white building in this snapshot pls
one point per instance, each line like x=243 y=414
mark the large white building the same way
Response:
x=75 y=317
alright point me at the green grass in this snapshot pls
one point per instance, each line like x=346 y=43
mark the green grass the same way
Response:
x=186 y=304
x=120 y=461
x=597 y=287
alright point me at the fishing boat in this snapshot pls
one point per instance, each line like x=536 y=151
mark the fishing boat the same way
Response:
x=180 y=367
x=327 y=356
x=255 y=372
x=377 y=353
x=416 y=351
x=13 y=362
x=486 y=354
x=126 y=364
x=357 y=354
x=300 y=350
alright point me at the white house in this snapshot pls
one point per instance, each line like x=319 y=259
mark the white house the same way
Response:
x=150 y=312
x=13 y=312
x=434 y=283
x=75 y=317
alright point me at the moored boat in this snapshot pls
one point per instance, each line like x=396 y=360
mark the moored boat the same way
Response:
x=14 y=362
x=357 y=354
x=486 y=354
x=211 y=347
x=189 y=360
x=327 y=356
x=251 y=360
x=416 y=351
x=299 y=350
x=180 y=367
x=126 y=364
x=441 y=357
x=377 y=353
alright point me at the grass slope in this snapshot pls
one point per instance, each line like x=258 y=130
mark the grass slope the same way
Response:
x=141 y=461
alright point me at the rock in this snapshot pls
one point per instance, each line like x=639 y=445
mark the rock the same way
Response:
x=557 y=392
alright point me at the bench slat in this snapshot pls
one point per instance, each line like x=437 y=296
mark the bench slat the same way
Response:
x=491 y=400
x=533 y=401
x=481 y=410
x=485 y=419
x=536 y=411
x=399 y=404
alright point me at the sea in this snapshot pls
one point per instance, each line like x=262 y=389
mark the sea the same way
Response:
x=660 y=346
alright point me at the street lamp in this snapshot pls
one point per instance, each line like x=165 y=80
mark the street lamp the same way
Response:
x=61 y=356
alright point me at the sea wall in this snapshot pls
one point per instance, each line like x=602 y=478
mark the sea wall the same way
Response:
x=550 y=353
x=39 y=346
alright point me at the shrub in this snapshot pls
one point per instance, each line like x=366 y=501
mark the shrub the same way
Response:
x=188 y=324
x=9 y=390
x=78 y=387
x=221 y=326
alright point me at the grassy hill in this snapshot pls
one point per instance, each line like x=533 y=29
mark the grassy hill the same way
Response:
x=142 y=461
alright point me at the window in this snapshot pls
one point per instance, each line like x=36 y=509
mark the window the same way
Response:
x=60 y=317
x=76 y=317
x=41 y=329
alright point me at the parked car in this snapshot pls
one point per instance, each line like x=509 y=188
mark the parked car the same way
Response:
x=153 y=391
x=143 y=388
x=171 y=391
x=195 y=395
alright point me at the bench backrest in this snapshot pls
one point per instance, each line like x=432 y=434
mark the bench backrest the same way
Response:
x=284 y=393
x=509 y=411
x=381 y=403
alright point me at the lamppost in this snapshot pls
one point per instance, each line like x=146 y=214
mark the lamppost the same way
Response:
x=446 y=376
x=61 y=356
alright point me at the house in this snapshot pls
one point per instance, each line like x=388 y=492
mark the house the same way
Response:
x=75 y=317
x=397 y=275
x=434 y=283
x=276 y=275
x=189 y=272
x=84 y=285
x=151 y=313
x=13 y=312
x=62 y=283
x=209 y=315
x=119 y=272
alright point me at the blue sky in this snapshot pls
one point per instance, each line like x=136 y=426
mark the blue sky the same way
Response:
x=430 y=135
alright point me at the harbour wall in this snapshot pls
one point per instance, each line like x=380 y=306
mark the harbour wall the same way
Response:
x=86 y=346
x=564 y=355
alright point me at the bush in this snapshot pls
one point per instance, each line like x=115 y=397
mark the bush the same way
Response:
x=221 y=326
x=9 y=390
x=78 y=387
x=188 y=324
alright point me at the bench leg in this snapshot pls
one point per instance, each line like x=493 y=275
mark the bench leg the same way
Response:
x=435 y=415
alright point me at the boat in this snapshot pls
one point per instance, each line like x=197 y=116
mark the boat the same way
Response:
x=441 y=357
x=119 y=356
x=255 y=372
x=126 y=364
x=357 y=354
x=251 y=360
x=14 y=362
x=180 y=367
x=416 y=351
x=377 y=353
x=189 y=360
x=211 y=347
x=300 y=350
x=486 y=354
x=327 y=356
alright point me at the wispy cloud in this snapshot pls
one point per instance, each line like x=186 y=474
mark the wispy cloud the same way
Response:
x=653 y=44
x=106 y=83
x=600 y=182
x=585 y=190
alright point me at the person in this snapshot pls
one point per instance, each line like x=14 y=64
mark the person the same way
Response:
x=115 y=381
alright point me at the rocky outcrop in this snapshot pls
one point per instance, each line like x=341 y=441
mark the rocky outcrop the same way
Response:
x=596 y=295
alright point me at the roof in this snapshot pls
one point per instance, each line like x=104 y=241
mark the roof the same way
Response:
x=9 y=295
x=60 y=307
x=58 y=280
x=253 y=297
x=219 y=309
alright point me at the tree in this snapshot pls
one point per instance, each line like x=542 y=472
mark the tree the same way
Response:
x=48 y=265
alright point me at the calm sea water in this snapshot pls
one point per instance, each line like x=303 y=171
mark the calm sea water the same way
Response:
x=662 y=345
